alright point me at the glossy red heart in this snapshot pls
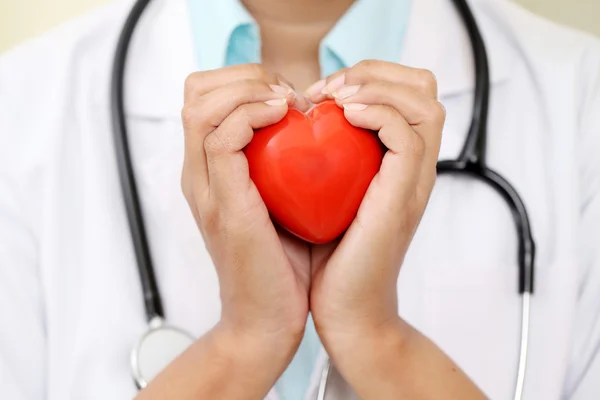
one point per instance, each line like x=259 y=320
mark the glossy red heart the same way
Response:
x=312 y=170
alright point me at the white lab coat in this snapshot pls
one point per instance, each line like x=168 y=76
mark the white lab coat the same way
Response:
x=70 y=302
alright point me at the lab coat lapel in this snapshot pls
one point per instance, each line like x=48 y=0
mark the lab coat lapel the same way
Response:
x=436 y=39
x=161 y=57
x=162 y=54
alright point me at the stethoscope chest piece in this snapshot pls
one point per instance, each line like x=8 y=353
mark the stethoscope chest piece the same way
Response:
x=156 y=349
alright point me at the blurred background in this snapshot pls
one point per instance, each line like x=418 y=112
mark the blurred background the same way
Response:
x=22 y=19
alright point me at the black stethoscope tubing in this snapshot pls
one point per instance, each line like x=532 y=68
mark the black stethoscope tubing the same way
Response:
x=470 y=163
x=471 y=160
x=152 y=300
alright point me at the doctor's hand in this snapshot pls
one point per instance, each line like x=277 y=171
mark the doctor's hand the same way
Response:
x=354 y=283
x=263 y=274
x=354 y=299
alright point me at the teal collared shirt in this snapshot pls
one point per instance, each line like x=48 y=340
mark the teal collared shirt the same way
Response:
x=226 y=34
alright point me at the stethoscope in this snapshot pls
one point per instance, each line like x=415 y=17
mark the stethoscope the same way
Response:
x=161 y=344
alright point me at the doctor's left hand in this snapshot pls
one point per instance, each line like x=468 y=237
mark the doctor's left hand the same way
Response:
x=354 y=282
x=354 y=299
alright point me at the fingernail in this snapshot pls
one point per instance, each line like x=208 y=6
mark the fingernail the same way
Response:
x=334 y=85
x=301 y=103
x=276 y=102
x=346 y=92
x=315 y=88
x=281 y=90
x=355 y=107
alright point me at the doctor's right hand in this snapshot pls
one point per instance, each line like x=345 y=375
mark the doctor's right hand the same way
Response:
x=263 y=274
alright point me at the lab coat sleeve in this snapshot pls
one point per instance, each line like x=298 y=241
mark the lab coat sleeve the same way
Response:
x=22 y=332
x=583 y=378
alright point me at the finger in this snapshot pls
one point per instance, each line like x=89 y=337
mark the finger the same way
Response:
x=227 y=165
x=424 y=114
x=387 y=208
x=200 y=83
x=420 y=80
x=299 y=102
x=210 y=110
x=400 y=188
x=406 y=150
x=335 y=79
x=321 y=90
x=203 y=115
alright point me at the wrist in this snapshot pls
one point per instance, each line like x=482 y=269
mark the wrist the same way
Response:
x=223 y=364
x=366 y=343
x=252 y=349
x=397 y=361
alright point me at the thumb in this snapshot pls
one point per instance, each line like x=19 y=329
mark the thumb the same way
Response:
x=299 y=102
x=321 y=90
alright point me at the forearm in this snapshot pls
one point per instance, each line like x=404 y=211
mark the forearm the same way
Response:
x=398 y=362
x=223 y=366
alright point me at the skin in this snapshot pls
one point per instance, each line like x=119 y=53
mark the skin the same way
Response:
x=269 y=280
x=303 y=23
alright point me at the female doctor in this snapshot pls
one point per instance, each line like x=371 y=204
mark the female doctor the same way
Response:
x=403 y=313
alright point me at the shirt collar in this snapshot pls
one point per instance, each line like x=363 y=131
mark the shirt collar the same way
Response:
x=354 y=38
x=162 y=52
x=213 y=22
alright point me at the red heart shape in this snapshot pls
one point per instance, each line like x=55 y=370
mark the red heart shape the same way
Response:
x=313 y=170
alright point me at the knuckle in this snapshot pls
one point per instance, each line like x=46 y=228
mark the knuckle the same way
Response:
x=213 y=121
x=251 y=90
x=366 y=64
x=192 y=84
x=385 y=87
x=213 y=145
x=426 y=80
x=391 y=116
x=441 y=111
x=359 y=72
x=343 y=71
x=260 y=72
x=189 y=116
x=240 y=116
x=437 y=113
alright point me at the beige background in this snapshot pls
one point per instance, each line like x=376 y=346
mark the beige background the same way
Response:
x=22 y=19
